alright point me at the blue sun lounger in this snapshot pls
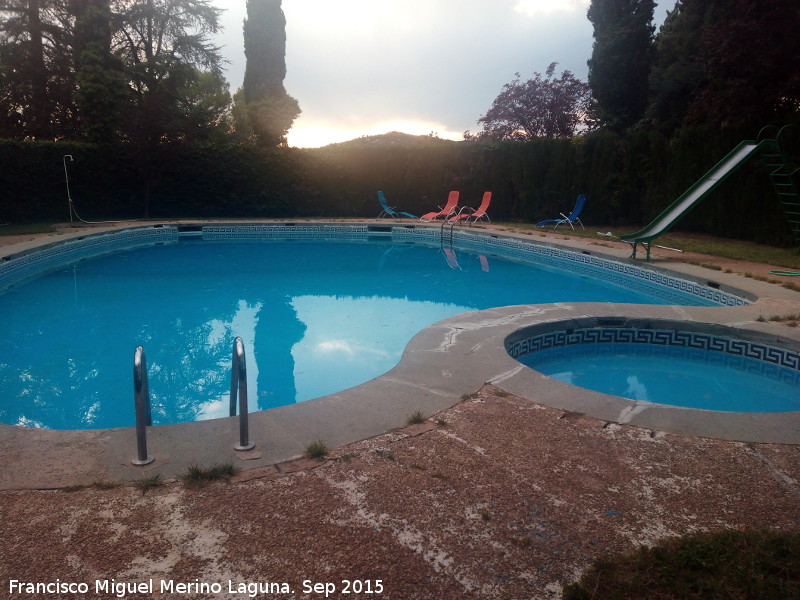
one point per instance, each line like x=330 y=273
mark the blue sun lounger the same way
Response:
x=388 y=211
x=573 y=216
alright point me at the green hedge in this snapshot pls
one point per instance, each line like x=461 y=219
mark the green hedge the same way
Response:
x=628 y=180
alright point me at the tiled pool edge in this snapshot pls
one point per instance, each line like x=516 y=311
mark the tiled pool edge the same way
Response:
x=35 y=261
x=656 y=332
x=443 y=362
x=524 y=382
x=18 y=266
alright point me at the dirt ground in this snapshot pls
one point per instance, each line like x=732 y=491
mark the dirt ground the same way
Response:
x=496 y=497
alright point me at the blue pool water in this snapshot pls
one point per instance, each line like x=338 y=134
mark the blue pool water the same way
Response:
x=676 y=376
x=316 y=318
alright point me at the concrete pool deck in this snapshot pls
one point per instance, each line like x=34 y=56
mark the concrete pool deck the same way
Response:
x=443 y=363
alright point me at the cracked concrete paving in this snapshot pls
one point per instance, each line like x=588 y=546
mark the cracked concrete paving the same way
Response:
x=495 y=497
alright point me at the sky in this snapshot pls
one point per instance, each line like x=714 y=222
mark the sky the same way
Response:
x=367 y=67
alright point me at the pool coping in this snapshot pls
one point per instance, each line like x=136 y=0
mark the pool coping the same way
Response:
x=440 y=365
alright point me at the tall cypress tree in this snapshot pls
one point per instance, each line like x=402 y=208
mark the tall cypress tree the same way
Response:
x=98 y=74
x=620 y=62
x=678 y=75
x=270 y=110
x=265 y=49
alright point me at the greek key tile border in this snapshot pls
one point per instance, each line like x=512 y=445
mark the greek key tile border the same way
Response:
x=594 y=266
x=18 y=267
x=671 y=289
x=782 y=357
x=284 y=232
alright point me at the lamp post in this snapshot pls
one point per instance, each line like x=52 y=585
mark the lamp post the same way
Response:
x=66 y=179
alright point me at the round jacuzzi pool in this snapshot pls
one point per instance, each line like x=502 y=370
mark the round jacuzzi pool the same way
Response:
x=690 y=365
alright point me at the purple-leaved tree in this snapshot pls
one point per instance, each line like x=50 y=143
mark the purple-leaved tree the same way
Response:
x=554 y=107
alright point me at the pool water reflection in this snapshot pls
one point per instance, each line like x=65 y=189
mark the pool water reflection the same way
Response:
x=677 y=376
x=316 y=318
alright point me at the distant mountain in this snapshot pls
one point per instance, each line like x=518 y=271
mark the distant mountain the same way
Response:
x=395 y=138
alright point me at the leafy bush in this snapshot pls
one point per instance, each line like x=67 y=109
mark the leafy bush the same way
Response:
x=735 y=565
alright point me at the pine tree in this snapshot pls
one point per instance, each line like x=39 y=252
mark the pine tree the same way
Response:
x=35 y=62
x=620 y=62
x=706 y=71
x=270 y=110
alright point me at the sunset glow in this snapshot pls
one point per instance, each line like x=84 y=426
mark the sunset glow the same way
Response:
x=315 y=135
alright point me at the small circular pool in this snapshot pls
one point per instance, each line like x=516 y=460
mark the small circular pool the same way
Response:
x=663 y=362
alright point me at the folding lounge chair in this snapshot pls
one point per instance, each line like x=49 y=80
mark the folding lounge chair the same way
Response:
x=388 y=211
x=573 y=216
x=446 y=211
x=477 y=213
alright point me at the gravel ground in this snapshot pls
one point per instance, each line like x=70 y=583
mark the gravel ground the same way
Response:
x=497 y=497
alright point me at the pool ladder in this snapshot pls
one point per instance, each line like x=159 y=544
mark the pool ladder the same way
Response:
x=141 y=397
x=239 y=382
x=453 y=218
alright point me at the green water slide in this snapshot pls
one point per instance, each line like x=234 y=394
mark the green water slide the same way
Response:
x=782 y=181
x=691 y=197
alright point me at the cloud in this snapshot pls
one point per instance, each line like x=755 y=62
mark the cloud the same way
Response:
x=359 y=67
x=533 y=8
x=439 y=73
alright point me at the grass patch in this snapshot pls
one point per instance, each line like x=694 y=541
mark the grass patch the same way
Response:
x=100 y=484
x=571 y=415
x=196 y=476
x=735 y=565
x=104 y=484
x=316 y=449
x=441 y=422
x=735 y=249
x=147 y=483
x=24 y=229
x=789 y=320
x=74 y=488
x=689 y=242
x=706 y=265
x=416 y=418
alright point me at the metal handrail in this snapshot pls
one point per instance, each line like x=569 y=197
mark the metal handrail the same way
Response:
x=456 y=219
x=452 y=217
x=762 y=134
x=141 y=398
x=239 y=383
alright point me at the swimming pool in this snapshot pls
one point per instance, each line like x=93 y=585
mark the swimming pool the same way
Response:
x=665 y=363
x=320 y=308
